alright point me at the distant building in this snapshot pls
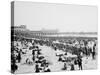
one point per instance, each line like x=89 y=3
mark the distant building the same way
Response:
x=19 y=28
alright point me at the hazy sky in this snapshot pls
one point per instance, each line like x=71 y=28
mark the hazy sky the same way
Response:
x=64 y=17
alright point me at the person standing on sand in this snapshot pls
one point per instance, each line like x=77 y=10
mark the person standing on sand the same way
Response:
x=72 y=67
x=79 y=63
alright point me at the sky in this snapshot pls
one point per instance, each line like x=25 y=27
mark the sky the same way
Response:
x=51 y=16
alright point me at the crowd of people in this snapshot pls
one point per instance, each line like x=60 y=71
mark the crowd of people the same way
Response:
x=68 y=51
